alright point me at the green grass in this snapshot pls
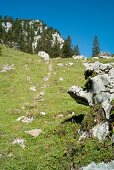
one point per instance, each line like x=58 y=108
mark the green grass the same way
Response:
x=57 y=146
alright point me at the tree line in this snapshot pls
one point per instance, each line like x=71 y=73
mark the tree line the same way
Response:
x=21 y=36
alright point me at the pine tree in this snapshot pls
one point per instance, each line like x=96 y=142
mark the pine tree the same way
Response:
x=76 y=50
x=67 y=50
x=96 y=48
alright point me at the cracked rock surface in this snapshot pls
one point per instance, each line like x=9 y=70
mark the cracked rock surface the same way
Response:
x=99 y=87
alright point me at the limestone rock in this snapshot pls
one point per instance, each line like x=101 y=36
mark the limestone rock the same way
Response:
x=19 y=142
x=34 y=132
x=99 y=87
x=25 y=119
x=33 y=88
x=43 y=113
x=61 y=79
x=44 y=55
x=99 y=166
x=7 y=68
x=60 y=64
x=100 y=131
x=78 y=57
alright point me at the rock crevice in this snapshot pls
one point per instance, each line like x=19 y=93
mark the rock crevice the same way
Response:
x=98 y=91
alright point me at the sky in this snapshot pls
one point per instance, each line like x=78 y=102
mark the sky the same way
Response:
x=81 y=19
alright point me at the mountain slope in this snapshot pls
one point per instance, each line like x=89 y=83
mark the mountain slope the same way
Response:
x=29 y=35
x=57 y=147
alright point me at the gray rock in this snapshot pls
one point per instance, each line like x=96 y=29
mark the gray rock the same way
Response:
x=100 y=131
x=7 y=68
x=44 y=55
x=19 y=142
x=60 y=64
x=101 y=87
x=25 y=119
x=99 y=166
x=34 y=132
x=33 y=88
x=43 y=113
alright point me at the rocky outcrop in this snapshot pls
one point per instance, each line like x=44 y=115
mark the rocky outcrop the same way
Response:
x=98 y=91
x=99 y=88
x=99 y=166
x=44 y=55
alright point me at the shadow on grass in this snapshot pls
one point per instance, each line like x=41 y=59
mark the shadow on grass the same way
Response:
x=75 y=119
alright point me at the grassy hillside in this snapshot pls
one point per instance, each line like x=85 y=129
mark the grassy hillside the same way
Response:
x=57 y=146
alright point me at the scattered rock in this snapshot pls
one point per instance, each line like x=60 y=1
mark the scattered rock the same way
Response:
x=79 y=57
x=43 y=113
x=44 y=55
x=25 y=119
x=20 y=118
x=60 y=64
x=46 y=78
x=99 y=166
x=69 y=64
x=42 y=93
x=10 y=155
x=28 y=79
x=7 y=68
x=34 y=132
x=100 y=131
x=60 y=115
x=33 y=88
x=19 y=142
x=61 y=79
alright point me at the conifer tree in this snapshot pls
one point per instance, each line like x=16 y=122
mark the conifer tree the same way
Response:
x=76 y=50
x=96 y=48
x=67 y=50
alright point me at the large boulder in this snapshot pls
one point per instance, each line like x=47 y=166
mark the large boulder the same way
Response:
x=44 y=55
x=99 y=88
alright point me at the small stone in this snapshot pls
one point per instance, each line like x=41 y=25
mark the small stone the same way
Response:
x=61 y=79
x=60 y=115
x=42 y=93
x=28 y=78
x=33 y=88
x=25 y=119
x=7 y=68
x=43 y=113
x=73 y=113
x=46 y=78
x=20 y=118
x=60 y=64
x=69 y=64
x=34 y=132
x=20 y=142
x=10 y=155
